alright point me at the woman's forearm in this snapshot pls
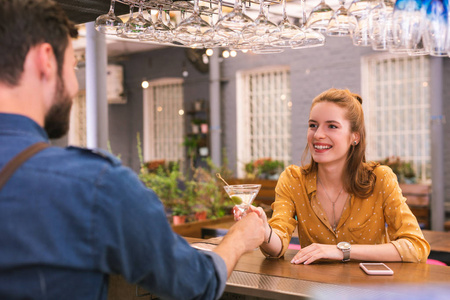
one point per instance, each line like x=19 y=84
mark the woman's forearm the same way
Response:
x=381 y=252
x=273 y=246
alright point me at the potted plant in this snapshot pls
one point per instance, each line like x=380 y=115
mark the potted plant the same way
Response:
x=404 y=170
x=265 y=168
x=179 y=212
x=191 y=144
x=250 y=170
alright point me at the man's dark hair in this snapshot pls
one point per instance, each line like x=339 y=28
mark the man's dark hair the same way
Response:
x=27 y=23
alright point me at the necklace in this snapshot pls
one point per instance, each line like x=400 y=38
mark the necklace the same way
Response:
x=334 y=225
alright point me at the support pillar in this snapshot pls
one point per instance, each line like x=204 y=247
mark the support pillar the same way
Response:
x=96 y=98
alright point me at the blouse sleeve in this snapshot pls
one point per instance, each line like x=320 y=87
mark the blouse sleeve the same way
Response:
x=283 y=221
x=402 y=226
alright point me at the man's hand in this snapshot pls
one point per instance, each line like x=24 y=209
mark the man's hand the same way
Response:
x=243 y=236
x=250 y=230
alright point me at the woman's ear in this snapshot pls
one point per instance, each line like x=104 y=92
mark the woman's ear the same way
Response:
x=355 y=138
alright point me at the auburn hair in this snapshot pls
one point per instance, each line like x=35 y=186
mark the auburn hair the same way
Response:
x=358 y=177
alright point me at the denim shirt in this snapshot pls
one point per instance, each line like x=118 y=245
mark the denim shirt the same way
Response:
x=71 y=216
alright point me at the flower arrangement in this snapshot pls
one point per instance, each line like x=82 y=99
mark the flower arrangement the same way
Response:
x=186 y=197
x=264 y=168
x=404 y=170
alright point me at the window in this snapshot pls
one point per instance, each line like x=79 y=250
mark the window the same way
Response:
x=77 y=127
x=396 y=98
x=263 y=115
x=164 y=120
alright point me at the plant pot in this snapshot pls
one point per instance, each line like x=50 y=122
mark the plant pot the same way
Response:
x=195 y=129
x=204 y=128
x=177 y=220
x=200 y=215
x=198 y=105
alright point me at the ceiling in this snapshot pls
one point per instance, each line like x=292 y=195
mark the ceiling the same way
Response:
x=83 y=11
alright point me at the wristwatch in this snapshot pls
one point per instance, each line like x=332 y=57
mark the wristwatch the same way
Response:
x=345 y=248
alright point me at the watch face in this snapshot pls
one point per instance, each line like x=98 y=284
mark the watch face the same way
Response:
x=344 y=245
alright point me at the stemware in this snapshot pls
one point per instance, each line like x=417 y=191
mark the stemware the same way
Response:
x=435 y=33
x=162 y=33
x=320 y=17
x=242 y=43
x=223 y=36
x=307 y=38
x=406 y=24
x=242 y=195
x=287 y=30
x=263 y=33
x=168 y=22
x=418 y=48
x=359 y=11
x=194 y=31
x=109 y=23
x=134 y=27
x=149 y=33
x=236 y=20
x=339 y=24
x=380 y=25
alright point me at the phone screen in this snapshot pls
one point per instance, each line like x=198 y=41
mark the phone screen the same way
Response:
x=375 y=267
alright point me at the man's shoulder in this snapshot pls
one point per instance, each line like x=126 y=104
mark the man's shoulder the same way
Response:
x=94 y=155
x=79 y=162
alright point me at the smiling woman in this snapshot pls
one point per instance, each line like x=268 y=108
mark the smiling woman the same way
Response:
x=339 y=202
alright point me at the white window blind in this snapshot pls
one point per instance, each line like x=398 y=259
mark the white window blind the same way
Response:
x=263 y=115
x=77 y=128
x=396 y=98
x=164 y=120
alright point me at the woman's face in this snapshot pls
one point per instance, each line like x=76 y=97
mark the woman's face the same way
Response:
x=329 y=135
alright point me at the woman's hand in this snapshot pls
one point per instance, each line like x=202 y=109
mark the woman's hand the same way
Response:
x=261 y=214
x=314 y=252
x=258 y=210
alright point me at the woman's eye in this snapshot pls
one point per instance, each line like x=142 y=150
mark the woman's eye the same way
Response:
x=312 y=125
x=333 y=126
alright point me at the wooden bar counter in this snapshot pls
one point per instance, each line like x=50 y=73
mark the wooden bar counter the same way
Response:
x=258 y=277
x=261 y=277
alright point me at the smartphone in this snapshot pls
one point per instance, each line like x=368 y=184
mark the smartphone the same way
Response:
x=376 y=269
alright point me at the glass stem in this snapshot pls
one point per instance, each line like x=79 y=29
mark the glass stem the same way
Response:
x=131 y=11
x=111 y=7
x=237 y=4
x=303 y=13
x=220 y=10
x=196 y=8
x=261 y=7
x=160 y=19
x=284 y=10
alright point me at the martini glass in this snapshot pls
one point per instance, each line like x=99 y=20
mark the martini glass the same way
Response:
x=287 y=30
x=194 y=31
x=339 y=23
x=320 y=17
x=109 y=23
x=262 y=34
x=307 y=38
x=136 y=26
x=162 y=33
x=242 y=195
x=224 y=35
x=236 y=20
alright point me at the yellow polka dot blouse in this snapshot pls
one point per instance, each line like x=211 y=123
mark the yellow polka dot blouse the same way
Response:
x=381 y=218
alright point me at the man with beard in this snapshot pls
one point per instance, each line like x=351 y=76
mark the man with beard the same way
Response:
x=68 y=216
